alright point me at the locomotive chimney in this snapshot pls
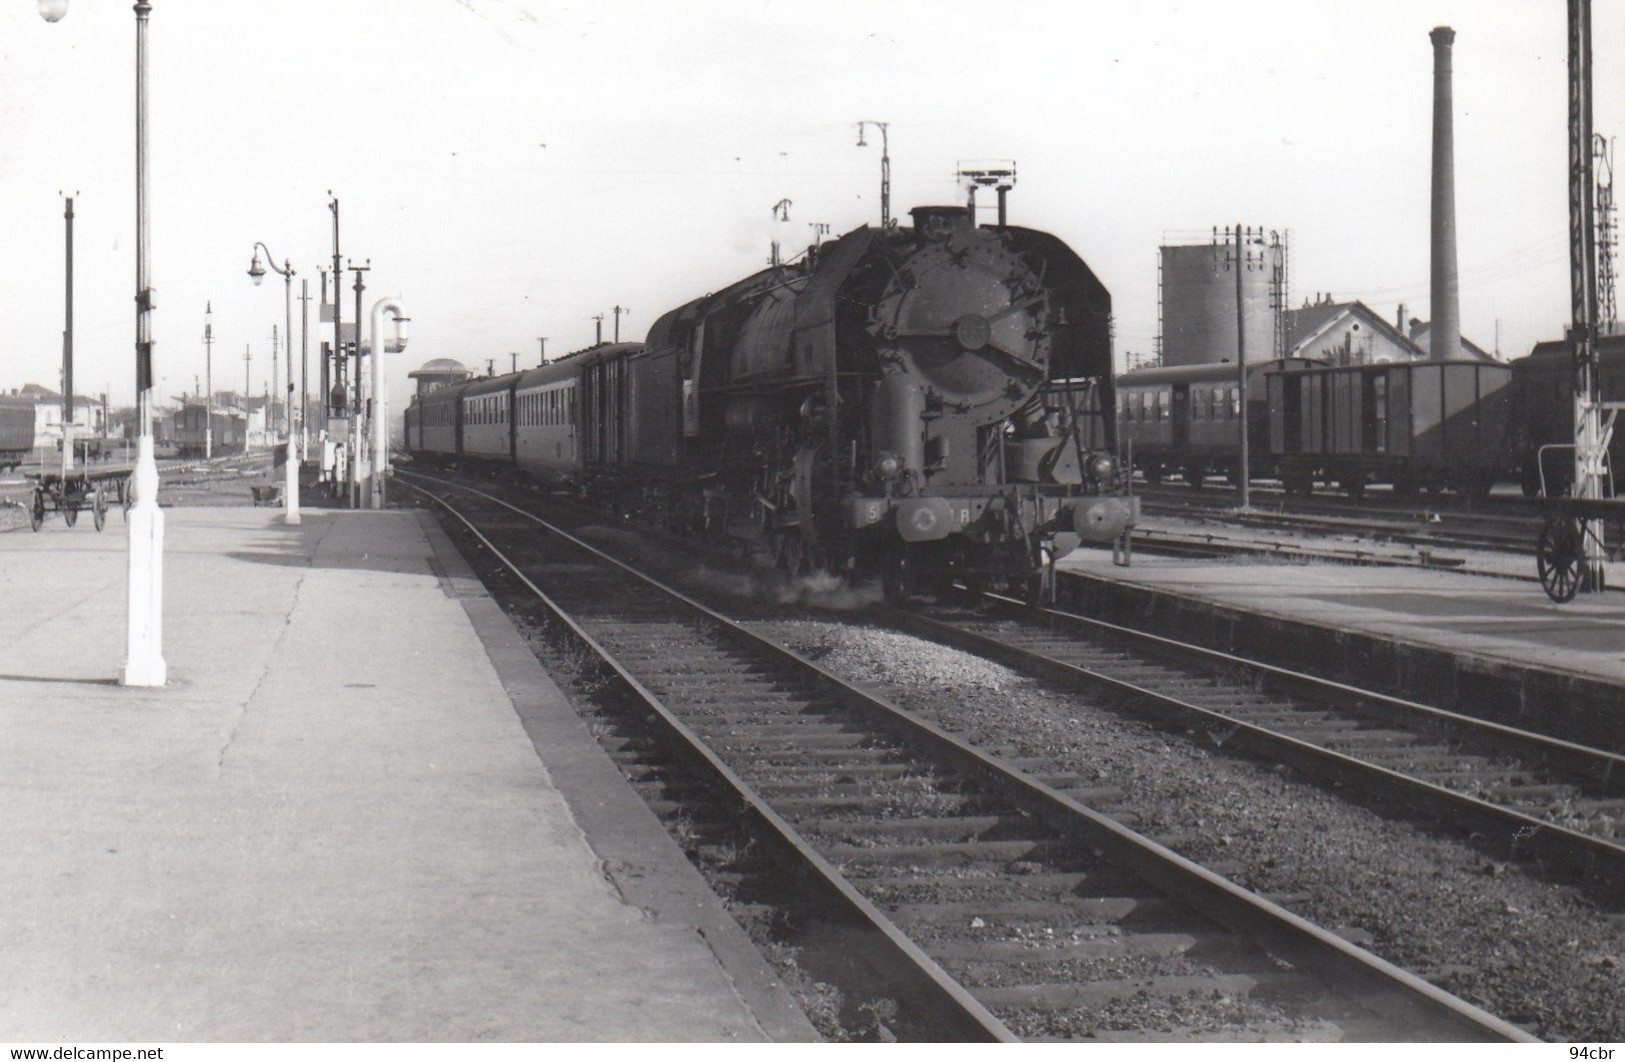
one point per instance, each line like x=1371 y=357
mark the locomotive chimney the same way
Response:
x=1444 y=336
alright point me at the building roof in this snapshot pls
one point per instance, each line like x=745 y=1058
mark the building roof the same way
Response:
x=34 y=392
x=1309 y=323
x=1420 y=331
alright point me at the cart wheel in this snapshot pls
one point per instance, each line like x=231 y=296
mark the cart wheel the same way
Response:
x=98 y=509
x=124 y=497
x=36 y=513
x=1558 y=558
x=70 y=512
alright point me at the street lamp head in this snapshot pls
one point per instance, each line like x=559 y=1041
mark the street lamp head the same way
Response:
x=255 y=270
x=53 y=10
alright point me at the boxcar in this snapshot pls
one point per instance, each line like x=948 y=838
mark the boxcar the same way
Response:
x=1411 y=424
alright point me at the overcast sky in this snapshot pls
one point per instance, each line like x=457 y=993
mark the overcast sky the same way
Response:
x=512 y=167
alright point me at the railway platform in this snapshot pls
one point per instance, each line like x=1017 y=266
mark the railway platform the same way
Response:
x=1488 y=647
x=359 y=811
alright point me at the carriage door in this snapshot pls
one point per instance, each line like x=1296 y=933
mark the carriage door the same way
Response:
x=1374 y=428
x=1182 y=416
x=1286 y=393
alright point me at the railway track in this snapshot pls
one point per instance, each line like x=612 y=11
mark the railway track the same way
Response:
x=982 y=897
x=1510 y=528
x=1519 y=794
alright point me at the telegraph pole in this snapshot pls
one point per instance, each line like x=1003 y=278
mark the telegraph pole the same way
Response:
x=304 y=369
x=618 y=311
x=208 y=379
x=269 y=420
x=67 y=348
x=542 y=343
x=1241 y=260
x=357 y=432
x=338 y=300
x=248 y=386
x=598 y=336
x=513 y=361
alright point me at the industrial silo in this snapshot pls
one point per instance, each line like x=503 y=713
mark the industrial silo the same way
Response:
x=1198 y=300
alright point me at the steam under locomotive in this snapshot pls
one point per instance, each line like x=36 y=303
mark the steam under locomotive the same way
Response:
x=927 y=403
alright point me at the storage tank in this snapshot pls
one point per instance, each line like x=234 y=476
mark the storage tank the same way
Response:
x=1199 y=302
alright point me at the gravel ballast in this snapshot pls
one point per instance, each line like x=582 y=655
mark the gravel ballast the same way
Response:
x=1533 y=952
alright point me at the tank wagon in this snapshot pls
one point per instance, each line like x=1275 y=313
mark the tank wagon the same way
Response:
x=926 y=403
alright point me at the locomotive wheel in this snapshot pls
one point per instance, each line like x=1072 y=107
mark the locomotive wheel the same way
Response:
x=1559 y=557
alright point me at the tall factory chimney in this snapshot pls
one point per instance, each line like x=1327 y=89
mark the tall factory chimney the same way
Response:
x=1444 y=334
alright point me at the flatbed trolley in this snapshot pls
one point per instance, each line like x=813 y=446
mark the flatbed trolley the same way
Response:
x=68 y=493
x=1571 y=523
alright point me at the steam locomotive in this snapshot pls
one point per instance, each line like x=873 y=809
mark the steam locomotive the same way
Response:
x=926 y=403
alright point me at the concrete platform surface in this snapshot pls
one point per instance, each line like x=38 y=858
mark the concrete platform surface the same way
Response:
x=333 y=823
x=1505 y=619
x=1494 y=648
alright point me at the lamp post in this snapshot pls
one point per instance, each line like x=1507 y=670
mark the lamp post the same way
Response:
x=885 y=168
x=257 y=272
x=380 y=396
x=144 y=656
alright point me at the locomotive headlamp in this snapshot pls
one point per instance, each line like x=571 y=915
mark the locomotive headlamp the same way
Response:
x=888 y=466
x=1102 y=467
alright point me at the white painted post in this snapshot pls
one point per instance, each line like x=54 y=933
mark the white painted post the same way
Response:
x=380 y=405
